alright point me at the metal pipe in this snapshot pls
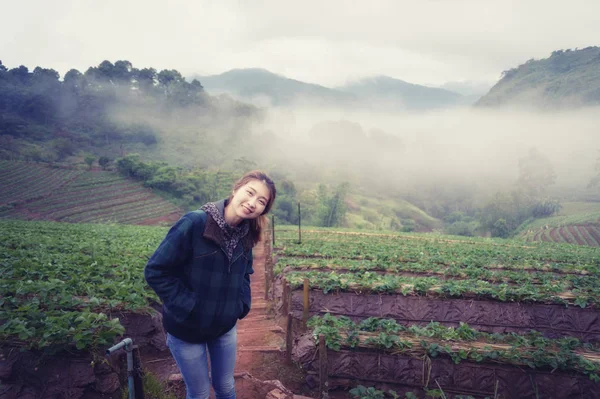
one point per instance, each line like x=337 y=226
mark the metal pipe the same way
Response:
x=128 y=344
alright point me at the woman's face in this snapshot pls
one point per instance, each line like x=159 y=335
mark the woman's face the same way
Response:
x=250 y=200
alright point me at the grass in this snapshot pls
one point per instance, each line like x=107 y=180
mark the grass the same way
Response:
x=153 y=388
x=371 y=213
x=572 y=214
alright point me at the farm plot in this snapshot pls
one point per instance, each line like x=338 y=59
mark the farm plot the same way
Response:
x=94 y=197
x=67 y=291
x=579 y=234
x=493 y=286
x=21 y=181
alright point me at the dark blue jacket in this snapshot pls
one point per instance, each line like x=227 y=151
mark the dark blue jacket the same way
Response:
x=203 y=293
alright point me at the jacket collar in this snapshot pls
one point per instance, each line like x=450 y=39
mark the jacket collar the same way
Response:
x=212 y=231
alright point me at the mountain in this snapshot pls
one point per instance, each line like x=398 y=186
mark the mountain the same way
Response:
x=267 y=88
x=262 y=87
x=394 y=94
x=471 y=90
x=568 y=78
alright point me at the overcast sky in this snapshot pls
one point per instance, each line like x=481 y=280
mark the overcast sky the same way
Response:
x=326 y=42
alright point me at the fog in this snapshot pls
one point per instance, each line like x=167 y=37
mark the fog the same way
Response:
x=464 y=145
x=378 y=152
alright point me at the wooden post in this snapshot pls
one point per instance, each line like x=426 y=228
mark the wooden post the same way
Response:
x=305 y=314
x=299 y=223
x=284 y=297
x=273 y=229
x=289 y=297
x=288 y=340
x=138 y=373
x=267 y=278
x=323 y=372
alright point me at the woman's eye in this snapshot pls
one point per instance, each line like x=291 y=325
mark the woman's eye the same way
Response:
x=263 y=203
x=249 y=192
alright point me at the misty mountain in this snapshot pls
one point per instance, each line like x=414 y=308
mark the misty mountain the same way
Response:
x=471 y=90
x=568 y=78
x=266 y=88
x=262 y=87
x=395 y=94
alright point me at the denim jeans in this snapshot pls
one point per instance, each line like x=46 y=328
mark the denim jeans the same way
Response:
x=192 y=361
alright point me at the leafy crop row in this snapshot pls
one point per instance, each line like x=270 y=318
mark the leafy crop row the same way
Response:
x=462 y=343
x=404 y=248
x=581 y=292
x=64 y=285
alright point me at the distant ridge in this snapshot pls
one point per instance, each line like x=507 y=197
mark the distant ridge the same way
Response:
x=262 y=85
x=395 y=93
x=268 y=88
x=568 y=78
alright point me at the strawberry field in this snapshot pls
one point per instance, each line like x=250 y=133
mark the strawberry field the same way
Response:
x=37 y=192
x=67 y=292
x=540 y=302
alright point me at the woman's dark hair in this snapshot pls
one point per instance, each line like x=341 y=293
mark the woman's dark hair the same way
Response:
x=257 y=225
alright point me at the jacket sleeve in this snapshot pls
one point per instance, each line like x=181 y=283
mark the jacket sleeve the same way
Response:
x=163 y=270
x=246 y=291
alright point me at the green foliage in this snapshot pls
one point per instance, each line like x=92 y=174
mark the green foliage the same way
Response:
x=545 y=208
x=531 y=349
x=568 y=78
x=63 y=147
x=194 y=188
x=595 y=180
x=286 y=205
x=84 y=109
x=104 y=161
x=463 y=228
x=60 y=282
x=89 y=160
x=362 y=392
x=440 y=266
x=331 y=207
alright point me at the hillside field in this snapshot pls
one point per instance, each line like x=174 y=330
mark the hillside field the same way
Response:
x=576 y=223
x=41 y=192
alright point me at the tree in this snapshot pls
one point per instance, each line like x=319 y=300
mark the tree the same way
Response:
x=74 y=79
x=332 y=207
x=63 y=147
x=167 y=77
x=20 y=74
x=595 y=181
x=122 y=72
x=103 y=162
x=89 y=160
x=146 y=78
x=536 y=173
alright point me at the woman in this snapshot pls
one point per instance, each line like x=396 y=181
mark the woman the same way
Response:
x=201 y=272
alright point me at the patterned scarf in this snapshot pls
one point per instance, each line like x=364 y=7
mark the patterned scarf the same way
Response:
x=230 y=236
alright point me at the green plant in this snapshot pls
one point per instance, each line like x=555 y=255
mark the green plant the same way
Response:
x=362 y=392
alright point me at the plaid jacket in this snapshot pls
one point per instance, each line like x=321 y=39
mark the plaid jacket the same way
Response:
x=203 y=293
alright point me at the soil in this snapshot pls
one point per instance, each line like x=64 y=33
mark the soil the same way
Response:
x=575 y=235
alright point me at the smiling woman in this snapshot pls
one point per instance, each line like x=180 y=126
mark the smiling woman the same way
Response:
x=201 y=272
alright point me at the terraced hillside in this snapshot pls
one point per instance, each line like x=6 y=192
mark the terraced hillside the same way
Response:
x=38 y=192
x=578 y=223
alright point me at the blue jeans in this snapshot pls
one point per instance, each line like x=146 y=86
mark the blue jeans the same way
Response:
x=192 y=361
